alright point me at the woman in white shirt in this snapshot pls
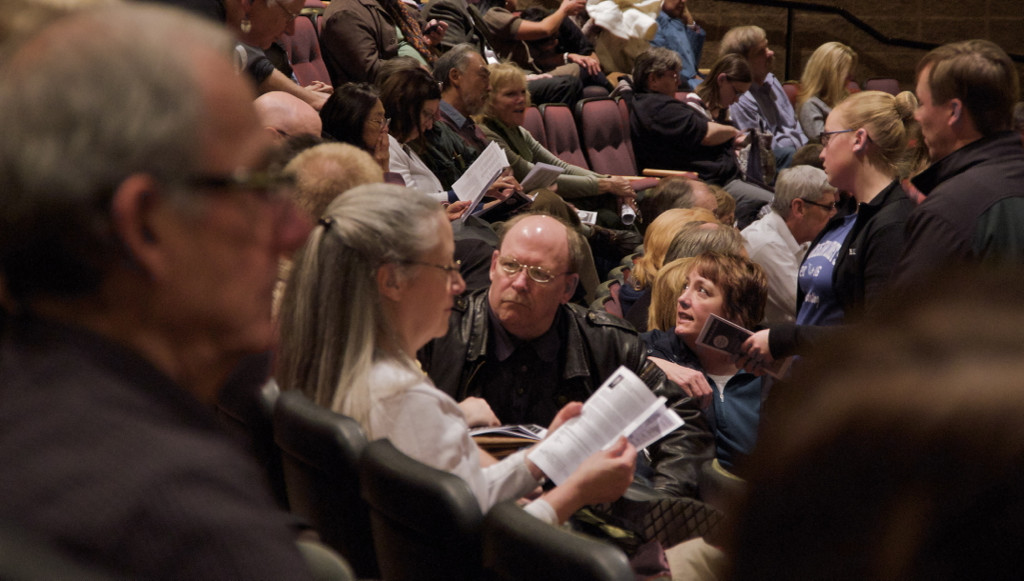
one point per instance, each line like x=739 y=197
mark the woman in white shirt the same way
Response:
x=412 y=99
x=374 y=283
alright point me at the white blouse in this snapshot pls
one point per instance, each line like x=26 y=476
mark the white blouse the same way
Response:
x=416 y=174
x=426 y=424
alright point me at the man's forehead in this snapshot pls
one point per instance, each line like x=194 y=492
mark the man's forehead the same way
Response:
x=541 y=235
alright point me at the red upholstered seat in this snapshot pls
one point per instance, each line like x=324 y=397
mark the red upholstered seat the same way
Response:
x=534 y=123
x=563 y=138
x=303 y=48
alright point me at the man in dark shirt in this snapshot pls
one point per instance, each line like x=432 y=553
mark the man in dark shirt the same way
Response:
x=520 y=346
x=139 y=245
x=975 y=186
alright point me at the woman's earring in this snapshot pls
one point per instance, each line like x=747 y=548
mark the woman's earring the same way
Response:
x=245 y=26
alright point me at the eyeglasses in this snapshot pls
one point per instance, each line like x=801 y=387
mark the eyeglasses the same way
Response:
x=454 y=269
x=826 y=136
x=380 y=121
x=829 y=207
x=538 y=274
x=291 y=15
x=267 y=185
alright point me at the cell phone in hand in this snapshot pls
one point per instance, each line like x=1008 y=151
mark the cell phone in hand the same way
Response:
x=431 y=27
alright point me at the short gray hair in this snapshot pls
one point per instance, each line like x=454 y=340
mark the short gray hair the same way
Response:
x=455 y=59
x=332 y=321
x=803 y=181
x=85 y=103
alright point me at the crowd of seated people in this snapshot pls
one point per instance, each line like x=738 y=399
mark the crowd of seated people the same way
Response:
x=157 y=294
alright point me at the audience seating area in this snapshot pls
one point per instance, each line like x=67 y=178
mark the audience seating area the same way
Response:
x=394 y=518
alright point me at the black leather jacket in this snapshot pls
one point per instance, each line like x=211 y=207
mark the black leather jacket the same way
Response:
x=596 y=345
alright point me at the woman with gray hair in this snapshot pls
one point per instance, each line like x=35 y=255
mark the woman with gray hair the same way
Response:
x=374 y=283
x=670 y=134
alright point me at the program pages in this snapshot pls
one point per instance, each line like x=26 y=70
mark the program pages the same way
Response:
x=622 y=406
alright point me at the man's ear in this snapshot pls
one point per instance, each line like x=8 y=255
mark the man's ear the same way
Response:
x=134 y=208
x=956 y=110
x=388 y=283
x=571 y=280
x=797 y=207
x=494 y=264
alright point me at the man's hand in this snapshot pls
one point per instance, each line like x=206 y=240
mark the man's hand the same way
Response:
x=455 y=210
x=478 y=412
x=587 y=63
x=692 y=381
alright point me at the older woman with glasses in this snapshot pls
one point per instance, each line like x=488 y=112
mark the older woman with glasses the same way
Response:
x=697 y=135
x=374 y=283
x=851 y=261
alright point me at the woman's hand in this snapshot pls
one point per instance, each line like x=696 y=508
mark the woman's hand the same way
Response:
x=504 y=186
x=568 y=411
x=605 y=475
x=434 y=31
x=757 y=355
x=740 y=140
x=618 y=186
x=382 y=149
x=320 y=87
x=692 y=381
x=478 y=412
x=456 y=209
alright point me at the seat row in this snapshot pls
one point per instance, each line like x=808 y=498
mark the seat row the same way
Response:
x=393 y=517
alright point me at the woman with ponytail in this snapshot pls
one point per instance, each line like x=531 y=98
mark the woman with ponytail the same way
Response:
x=851 y=262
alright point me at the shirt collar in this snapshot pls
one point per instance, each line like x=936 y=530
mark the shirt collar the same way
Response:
x=458 y=118
x=546 y=346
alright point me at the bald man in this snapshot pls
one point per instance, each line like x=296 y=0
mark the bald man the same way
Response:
x=287 y=115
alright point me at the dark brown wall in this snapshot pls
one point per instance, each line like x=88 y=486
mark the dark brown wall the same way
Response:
x=1001 y=21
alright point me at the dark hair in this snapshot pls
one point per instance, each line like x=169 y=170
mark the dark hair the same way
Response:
x=671 y=192
x=743 y=282
x=734 y=67
x=345 y=112
x=403 y=94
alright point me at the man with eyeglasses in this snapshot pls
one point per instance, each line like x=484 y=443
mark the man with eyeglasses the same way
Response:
x=139 y=244
x=804 y=202
x=522 y=347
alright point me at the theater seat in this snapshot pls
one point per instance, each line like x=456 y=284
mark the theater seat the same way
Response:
x=534 y=123
x=518 y=546
x=320 y=453
x=303 y=49
x=426 y=522
x=563 y=137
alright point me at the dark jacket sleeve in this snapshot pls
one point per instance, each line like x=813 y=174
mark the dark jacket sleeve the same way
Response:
x=353 y=46
x=676 y=459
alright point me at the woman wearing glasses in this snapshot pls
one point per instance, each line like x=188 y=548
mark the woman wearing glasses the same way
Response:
x=697 y=135
x=374 y=283
x=354 y=114
x=851 y=261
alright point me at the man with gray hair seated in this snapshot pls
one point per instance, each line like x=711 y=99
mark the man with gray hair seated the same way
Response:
x=804 y=202
x=139 y=242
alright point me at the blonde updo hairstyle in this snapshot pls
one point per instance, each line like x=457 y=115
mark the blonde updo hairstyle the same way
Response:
x=888 y=121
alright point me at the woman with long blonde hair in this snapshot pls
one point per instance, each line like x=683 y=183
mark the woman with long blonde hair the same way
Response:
x=823 y=85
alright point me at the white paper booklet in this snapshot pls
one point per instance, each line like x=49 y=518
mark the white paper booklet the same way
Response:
x=478 y=177
x=622 y=406
x=541 y=176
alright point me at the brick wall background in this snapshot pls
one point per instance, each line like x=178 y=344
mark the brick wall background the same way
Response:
x=1001 y=21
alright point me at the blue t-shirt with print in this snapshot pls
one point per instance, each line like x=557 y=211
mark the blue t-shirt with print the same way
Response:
x=820 y=306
